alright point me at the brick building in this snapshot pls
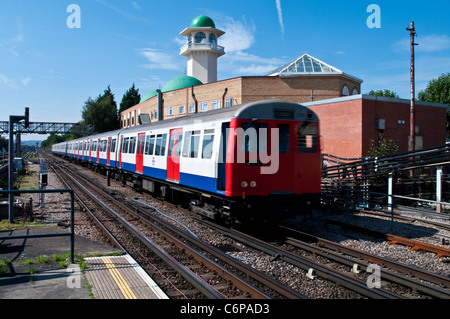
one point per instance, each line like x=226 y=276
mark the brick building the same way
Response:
x=348 y=124
x=349 y=120
x=304 y=79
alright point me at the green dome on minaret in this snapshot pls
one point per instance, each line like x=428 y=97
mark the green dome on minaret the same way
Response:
x=203 y=21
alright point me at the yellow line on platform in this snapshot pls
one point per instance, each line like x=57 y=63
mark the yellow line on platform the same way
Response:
x=118 y=278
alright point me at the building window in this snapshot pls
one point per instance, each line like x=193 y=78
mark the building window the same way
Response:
x=192 y=108
x=203 y=106
x=212 y=39
x=355 y=92
x=228 y=102
x=169 y=111
x=200 y=37
x=216 y=104
x=181 y=109
x=345 y=91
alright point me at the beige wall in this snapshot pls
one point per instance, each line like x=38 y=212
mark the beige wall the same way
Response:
x=243 y=90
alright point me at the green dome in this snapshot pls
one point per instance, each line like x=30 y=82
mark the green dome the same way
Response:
x=181 y=82
x=148 y=96
x=202 y=21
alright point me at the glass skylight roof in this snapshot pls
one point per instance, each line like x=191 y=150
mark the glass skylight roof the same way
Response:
x=305 y=64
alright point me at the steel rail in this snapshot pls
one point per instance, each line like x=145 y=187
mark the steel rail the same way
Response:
x=97 y=222
x=273 y=284
x=321 y=270
x=185 y=272
x=393 y=277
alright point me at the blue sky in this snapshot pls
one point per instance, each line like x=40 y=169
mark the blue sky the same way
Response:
x=54 y=69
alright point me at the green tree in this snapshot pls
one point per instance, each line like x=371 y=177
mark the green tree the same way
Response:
x=382 y=147
x=438 y=90
x=130 y=98
x=386 y=93
x=101 y=112
x=52 y=139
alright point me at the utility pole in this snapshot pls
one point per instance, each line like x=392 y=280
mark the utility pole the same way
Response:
x=14 y=119
x=412 y=125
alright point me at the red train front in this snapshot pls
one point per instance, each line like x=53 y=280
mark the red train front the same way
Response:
x=273 y=160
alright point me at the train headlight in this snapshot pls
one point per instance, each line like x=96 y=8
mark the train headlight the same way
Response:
x=244 y=184
x=252 y=184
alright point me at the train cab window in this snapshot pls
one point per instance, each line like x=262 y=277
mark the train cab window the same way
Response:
x=254 y=137
x=208 y=141
x=307 y=138
x=132 y=145
x=160 y=147
x=283 y=133
x=149 y=144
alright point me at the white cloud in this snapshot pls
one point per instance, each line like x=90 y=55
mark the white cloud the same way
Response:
x=13 y=43
x=280 y=16
x=7 y=82
x=26 y=80
x=159 y=60
x=427 y=43
x=242 y=63
x=136 y=5
x=238 y=35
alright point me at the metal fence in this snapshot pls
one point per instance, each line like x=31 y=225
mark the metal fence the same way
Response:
x=71 y=234
x=418 y=178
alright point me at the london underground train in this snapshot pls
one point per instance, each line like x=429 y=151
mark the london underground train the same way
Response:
x=252 y=161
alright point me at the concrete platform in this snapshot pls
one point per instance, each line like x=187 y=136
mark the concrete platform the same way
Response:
x=108 y=276
x=120 y=277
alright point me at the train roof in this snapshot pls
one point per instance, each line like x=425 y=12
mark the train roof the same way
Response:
x=267 y=109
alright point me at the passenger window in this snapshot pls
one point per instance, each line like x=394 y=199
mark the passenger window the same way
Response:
x=113 y=146
x=132 y=145
x=191 y=144
x=208 y=141
x=307 y=138
x=160 y=148
x=149 y=145
x=283 y=132
x=125 y=145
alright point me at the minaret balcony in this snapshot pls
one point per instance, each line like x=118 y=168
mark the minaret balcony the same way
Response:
x=213 y=48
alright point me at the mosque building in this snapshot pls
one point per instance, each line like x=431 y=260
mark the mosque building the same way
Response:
x=347 y=116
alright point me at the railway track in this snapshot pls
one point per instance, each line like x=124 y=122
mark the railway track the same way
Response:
x=197 y=276
x=428 y=283
x=354 y=282
x=349 y=267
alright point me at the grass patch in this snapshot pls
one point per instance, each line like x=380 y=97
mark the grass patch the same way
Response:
x=4 y=264
x=6 y=225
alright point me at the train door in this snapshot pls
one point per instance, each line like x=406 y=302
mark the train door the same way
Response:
x=222 y=157
x=120 y=151
x=140 y=153
x=173 y=157
x=91 y=143
x=108 y=152
x=98 y=151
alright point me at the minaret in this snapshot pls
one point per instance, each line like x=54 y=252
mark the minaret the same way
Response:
x=202 y=50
